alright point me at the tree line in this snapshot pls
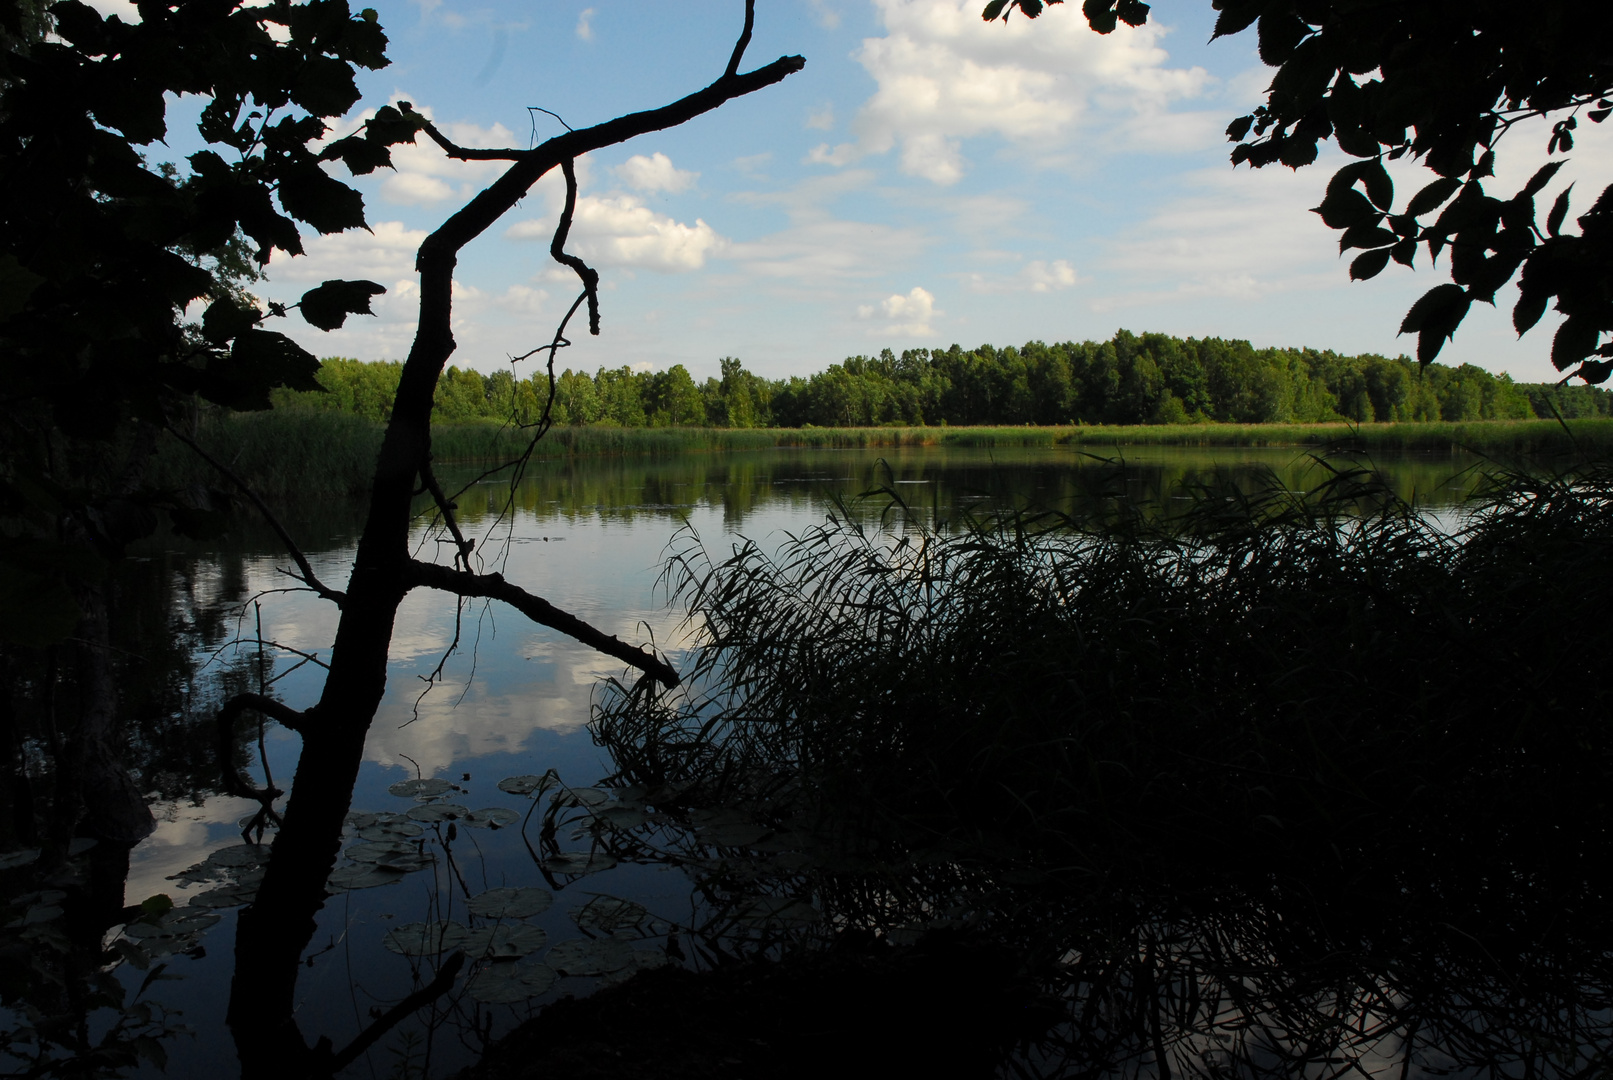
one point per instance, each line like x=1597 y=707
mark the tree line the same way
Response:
x=1130 y=379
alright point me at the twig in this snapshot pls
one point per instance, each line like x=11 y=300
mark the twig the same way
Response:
x=557 y=249
x=453 y=149
x=540 y=611
x=307 y=575
x=234 y=783
x=447 y=506
x=743 y=42
x=395 y=1015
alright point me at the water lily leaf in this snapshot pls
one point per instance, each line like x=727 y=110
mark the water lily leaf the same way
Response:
x=379 y=851
x=621 y=817
x=525 y=785
x=777 y=911
x=608 y=914
x=510 y=984
x=232 y=895
x=583 y=956
x=584 y=796
x=492 y=817
x=437 y=811
x=80 y=844
x=13 y=859
x=358 y=819
x=509 y=902
x=362 y=877
x=180 y=922
x=391 y=830
x=41 y=913
x=426 y=939
x=241 y=855
x=643 y=960
x=511 y=942
x=422 y=789
x=579 y=862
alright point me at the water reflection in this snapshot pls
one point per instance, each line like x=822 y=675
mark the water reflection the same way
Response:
x=511 y=701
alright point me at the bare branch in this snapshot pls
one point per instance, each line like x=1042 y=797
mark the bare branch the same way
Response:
x=744 y=41
x=446 y=507
x=399 y=1012
x=306 y=572
x=234 y=782
x=540 y=611
x=557 y=250
x=463 y=153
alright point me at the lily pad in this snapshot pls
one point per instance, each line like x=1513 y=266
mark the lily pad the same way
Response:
x=525 y=785
x=579 y=862
x=508 y=902
x=420 y=789
x=232 y=895
x=510 y=942
x=584 y=796
x=177 y=923
x=643 y=960
x=391 y=830
x=608 y=914
x=510 y=984
x=362 y=877
x=441 y=811
x=584 y=956
x=426 y=939
x=621 y=817
x=492 y=817
x=13 y=859
x=241 y=855
x=380 y=851
x=80 y=844
x=358 y=819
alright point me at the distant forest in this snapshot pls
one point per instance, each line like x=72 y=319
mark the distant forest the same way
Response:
x=1131 y=379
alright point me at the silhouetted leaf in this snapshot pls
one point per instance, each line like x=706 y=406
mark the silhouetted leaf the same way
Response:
x=1575 y=339
x=1559 y=211
x=1370 y=264
x=328 y=305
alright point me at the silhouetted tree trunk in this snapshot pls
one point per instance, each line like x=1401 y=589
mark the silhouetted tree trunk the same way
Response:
x=276 y=928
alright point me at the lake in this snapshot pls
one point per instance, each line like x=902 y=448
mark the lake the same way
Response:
x=477 y=696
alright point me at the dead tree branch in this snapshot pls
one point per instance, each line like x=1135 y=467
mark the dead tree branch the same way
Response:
x=454 y=150
x=540 y=611
x=446 y=507
x=234 y=782
x=305 y=571
x=557 y=250
x=395 y=1015
x=744 y=41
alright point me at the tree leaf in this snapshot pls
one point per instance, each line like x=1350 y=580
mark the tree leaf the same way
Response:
x=1528 y=310
x=1542 y=177
x=328 y=305
x=1559 y=211
x=1369 y=264
x=1574 y=341
x=1346 y=208
x=1433 y=196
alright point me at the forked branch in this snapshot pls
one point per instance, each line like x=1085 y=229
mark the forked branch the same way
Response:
x=234 y=782
x=305 y=570
x=540 y=611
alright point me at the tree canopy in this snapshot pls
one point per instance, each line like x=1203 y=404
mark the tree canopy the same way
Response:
x=1440 y=83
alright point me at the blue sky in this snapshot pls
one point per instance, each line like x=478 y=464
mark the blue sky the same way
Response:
x=927 y=179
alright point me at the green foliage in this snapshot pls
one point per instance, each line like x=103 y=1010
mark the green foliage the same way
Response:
x=1130 y=379
x=1441 y=83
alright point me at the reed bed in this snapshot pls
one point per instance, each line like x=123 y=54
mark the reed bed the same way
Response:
x=1320 y=688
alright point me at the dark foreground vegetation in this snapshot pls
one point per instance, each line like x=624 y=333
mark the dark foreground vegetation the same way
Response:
x=1283 y=780
x=1130 y=379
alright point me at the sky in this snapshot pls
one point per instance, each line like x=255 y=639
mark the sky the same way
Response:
x=928 y=179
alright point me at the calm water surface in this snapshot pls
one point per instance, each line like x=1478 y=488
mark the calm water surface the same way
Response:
x=513 y=699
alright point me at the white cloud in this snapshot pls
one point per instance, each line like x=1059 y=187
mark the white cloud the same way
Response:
x=1036 y=276
x=944 y=77
x=842 y=154
x=910 y=314
x=621 y=231
x=385 y=254
x=826 y=16
x=654 y=173
x=585 y=29
x=823 y=118
x=425 y=174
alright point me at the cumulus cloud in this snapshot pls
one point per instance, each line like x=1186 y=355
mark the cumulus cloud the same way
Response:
x=944 y=77
x=654 y=173
x=424 y=174
x=385 y=254
x=822 y=119
x=910 y=314
x=1037 y=276
x=619 y=230
x=585 y=29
